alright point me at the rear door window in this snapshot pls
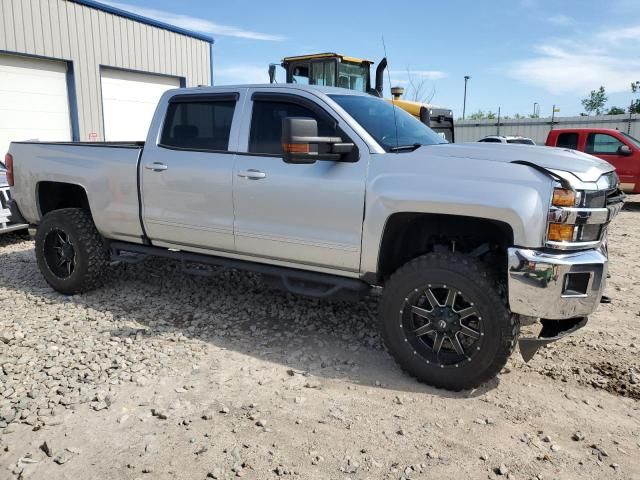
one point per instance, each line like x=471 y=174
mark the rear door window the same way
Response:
x=199 y=123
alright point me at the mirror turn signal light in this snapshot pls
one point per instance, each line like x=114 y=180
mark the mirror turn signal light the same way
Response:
x=560 y=232
x=295 y=147
x=563 y=197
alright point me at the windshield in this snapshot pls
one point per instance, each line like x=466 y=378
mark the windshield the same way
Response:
x=391 y=131
x=353 y=77
x=633 y=140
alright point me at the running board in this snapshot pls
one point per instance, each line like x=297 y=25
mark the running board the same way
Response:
x=299 y=282
x=552 y=331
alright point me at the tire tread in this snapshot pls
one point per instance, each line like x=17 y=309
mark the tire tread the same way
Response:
x=487 y=280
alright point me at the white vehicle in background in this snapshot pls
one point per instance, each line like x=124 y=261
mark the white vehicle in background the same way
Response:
x=5 y=215
x=516 y=139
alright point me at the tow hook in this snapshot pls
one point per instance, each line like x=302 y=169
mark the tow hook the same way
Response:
x=552 y=331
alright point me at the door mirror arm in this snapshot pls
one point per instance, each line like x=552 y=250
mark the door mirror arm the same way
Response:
x=300 y=142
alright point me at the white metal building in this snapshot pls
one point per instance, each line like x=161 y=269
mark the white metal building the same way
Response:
x=85 y=71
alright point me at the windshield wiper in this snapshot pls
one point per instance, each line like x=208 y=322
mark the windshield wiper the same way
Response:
x=406 y=148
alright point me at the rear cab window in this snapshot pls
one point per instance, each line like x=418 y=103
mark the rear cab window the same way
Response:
x=568 y=140
x=199 y=122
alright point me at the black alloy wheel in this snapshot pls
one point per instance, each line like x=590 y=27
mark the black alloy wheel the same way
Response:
x=442 y=325
x=59 y=253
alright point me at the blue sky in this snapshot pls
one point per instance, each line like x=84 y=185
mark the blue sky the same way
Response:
x=517 y=52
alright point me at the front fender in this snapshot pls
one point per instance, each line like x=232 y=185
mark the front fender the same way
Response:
x=512 y=194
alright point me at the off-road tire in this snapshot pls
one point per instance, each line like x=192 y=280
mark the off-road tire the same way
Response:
x=91 y=256
x=501 y=328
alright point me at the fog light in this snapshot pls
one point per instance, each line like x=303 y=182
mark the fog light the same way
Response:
x=576 y=284
x=560 y=232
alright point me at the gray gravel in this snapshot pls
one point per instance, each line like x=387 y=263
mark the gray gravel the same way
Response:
x=165 y=375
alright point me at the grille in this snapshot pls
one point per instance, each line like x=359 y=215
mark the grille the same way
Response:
x=595 y=199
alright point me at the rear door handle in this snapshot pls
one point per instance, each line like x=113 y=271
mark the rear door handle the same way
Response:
x=156 y=166
x=252 y=174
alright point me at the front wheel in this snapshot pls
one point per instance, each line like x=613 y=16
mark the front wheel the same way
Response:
x=444 y=321
x=70 y=252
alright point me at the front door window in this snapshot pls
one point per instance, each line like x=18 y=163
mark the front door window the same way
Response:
x=602 y=144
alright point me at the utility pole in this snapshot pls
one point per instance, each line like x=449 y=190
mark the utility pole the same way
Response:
x=464 y=103
x=498 y=132
x=553 y=115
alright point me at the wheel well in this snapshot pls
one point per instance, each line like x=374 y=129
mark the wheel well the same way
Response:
x=56 y=195
x=409 y=235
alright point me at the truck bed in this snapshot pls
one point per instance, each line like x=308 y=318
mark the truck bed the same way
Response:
x=107 y=171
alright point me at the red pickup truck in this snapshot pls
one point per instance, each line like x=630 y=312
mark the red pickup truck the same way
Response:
x=619 y=149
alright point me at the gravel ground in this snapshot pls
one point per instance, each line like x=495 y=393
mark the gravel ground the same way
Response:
x=162 y=375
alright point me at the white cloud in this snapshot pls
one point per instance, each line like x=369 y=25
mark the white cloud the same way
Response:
x=617 y=35
x=240 y=74
x=579 y=66
x=426 y=74
x=561 y=20
x=193 y=23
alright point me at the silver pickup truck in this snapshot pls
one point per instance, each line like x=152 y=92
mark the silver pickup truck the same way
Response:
x=331 y=193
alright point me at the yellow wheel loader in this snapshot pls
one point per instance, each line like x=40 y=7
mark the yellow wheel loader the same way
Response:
x=335 y=70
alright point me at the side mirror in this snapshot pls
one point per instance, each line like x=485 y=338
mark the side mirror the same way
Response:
x=625 y=150
x=301 y=143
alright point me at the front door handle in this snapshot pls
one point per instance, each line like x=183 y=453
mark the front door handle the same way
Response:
x=156 y=166
x=252 y=174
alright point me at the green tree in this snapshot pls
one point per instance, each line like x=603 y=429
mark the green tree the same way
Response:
x=479 y=115
x=595 y=102
x=615 y=111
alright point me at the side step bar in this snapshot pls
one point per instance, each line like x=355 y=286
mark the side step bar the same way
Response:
x=300 y=282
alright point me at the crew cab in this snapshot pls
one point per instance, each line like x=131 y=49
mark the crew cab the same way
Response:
x=618 y=148
x=334 y=193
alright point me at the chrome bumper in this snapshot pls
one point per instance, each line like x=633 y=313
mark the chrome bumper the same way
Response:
x=556 y=286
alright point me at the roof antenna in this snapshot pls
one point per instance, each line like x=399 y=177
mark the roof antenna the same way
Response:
x=395 y=120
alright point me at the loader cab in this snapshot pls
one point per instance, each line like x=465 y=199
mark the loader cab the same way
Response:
x=335 y=70
x=329 y=69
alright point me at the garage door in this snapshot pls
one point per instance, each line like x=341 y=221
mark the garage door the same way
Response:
x=34 y=102
x=129 y=100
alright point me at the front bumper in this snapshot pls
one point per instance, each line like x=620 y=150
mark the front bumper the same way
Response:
x=556 y=286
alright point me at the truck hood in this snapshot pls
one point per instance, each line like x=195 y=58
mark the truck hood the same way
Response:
x=586 y=168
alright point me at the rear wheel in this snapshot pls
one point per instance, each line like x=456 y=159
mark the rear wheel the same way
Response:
x=70 y=252
x=445 y=323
